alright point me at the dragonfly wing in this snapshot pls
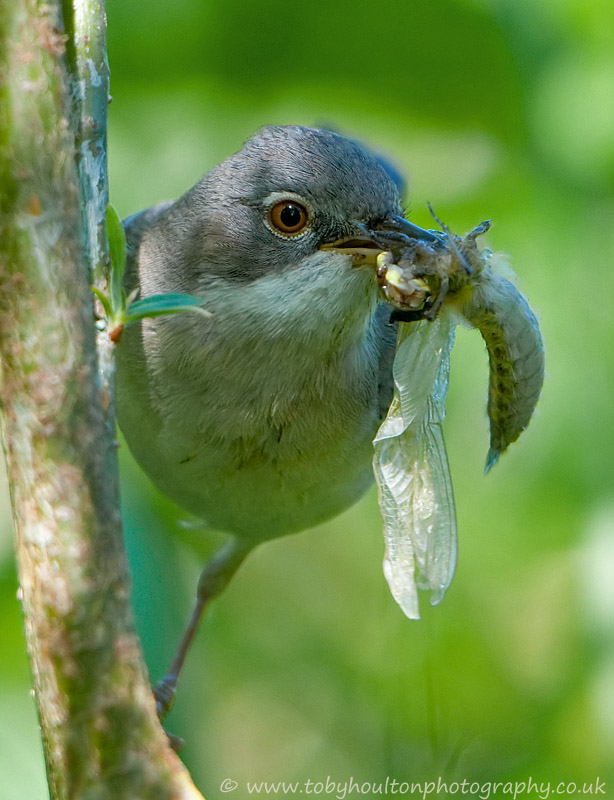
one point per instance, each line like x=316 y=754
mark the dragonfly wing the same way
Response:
x=440 y=560
x=411 y=468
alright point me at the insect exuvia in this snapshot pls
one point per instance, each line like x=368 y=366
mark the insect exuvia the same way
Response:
x=433 y=286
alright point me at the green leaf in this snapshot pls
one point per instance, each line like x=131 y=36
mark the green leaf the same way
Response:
x=117 y=252
x=103 y=299
x=117 y=241
x=160 y=304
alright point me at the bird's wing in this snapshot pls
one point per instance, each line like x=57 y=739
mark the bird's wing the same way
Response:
x=411 y=467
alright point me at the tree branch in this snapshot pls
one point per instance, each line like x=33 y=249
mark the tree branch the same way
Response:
x=101 y=736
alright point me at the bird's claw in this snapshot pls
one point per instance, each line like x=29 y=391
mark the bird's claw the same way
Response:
x=164 y=693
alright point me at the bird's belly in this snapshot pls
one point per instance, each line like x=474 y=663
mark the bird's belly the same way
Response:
x=263 y=474
x=262 y=424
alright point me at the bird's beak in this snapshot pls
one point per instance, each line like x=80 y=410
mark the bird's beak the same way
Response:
x=396 y=225
x=368 y=243
x=362 y=249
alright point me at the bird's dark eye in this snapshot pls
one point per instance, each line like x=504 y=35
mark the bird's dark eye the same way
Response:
x=288 y=217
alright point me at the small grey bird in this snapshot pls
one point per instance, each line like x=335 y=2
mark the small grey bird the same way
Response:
x=260 y=418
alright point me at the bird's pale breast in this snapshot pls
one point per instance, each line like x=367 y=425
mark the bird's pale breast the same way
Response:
x=260 y=421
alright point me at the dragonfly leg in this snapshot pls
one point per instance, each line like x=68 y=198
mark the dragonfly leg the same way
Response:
x=431 y=313
x=479 y=230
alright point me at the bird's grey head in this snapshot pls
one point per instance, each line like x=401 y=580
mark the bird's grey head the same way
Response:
x=287 y=194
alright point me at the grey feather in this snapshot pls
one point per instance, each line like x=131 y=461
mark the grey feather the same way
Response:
x=261 y=418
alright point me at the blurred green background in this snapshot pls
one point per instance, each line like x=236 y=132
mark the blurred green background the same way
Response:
x=500 y=109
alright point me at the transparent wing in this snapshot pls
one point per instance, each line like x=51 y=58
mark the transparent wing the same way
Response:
x=411 y=467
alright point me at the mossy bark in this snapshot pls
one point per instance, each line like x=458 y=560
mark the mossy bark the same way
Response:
x=100 y=732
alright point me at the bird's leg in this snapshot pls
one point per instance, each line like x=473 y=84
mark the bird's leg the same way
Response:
x=213 y=580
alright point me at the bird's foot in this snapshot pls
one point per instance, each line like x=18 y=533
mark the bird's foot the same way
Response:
x=164 y=693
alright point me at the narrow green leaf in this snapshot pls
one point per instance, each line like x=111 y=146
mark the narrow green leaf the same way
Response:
x=117 y=241
x=165 y=301
x=132 y=297
x=117 y=252
x=115 y=294
x=160 y=304
x=103 y=299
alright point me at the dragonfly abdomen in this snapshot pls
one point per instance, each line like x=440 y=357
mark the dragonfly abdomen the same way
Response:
x=516 y=357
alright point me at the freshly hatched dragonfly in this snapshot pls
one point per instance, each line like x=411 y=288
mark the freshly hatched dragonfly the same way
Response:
x=434 y=285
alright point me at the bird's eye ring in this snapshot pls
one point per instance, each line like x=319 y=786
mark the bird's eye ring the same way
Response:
x=288 y=218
